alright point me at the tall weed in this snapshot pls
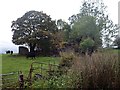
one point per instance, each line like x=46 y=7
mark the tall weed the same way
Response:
x=101 y=70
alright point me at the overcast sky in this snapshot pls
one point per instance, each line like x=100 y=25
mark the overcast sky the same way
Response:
x=58 y=9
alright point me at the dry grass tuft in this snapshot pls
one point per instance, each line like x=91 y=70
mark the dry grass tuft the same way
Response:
x=101 y=70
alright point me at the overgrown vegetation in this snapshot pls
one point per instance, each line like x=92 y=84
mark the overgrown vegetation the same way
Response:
x=100 y=71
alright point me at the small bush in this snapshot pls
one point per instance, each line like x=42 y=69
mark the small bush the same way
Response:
x=67 y=58
x=86 y=44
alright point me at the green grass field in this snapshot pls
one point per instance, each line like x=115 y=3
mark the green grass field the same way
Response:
x=14 y=63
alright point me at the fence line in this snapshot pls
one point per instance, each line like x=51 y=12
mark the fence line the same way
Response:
x=49 y=69
x=8 y=81
x=19 y=79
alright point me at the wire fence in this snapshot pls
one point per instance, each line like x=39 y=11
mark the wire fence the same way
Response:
x=41 y=70
x=9 y=80
x=37 y=70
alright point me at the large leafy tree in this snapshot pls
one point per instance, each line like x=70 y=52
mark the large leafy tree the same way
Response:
x=86 y=28
x=93 y=22
x=34 y=29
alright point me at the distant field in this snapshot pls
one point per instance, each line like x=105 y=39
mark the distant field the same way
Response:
x=14 y=63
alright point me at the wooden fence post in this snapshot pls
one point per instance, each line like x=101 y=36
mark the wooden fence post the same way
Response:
x=21 y=80
x=30 y=75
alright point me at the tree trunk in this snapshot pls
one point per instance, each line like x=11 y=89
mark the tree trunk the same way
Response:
x=32 y=47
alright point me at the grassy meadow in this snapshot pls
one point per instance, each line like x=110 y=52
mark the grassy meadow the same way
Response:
x=15 y=63
x=101 y=70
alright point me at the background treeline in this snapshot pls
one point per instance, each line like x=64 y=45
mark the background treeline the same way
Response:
x=86 y=31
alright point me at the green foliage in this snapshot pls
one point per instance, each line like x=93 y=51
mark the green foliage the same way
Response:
x=86 y=27
x=86 y=44
x=33 y=28
x=57 y=40
x=57 y=82
x=93 y=22
x=67 y=58
x=64 y=27
x=54 y=82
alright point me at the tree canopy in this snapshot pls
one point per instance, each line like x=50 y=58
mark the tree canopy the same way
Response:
x=91 y=25
x=64 y=27
x=86 y=27
x=33 y=28
x=92 y=22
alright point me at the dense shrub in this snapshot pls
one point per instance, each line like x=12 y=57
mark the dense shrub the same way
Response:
x=67 y=58
x=87 y=45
